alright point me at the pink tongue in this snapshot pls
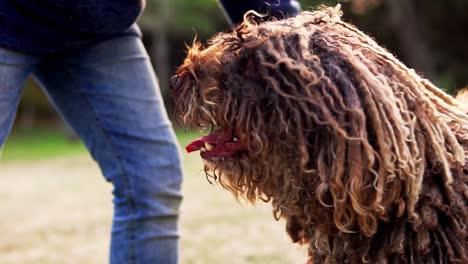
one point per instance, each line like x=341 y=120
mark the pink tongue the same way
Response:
x=198 y=143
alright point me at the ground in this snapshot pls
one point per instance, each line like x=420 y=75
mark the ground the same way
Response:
x=58 y=210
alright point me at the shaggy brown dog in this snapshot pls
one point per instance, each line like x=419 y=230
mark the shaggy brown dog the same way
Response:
x=462 y=97
x=364 y=159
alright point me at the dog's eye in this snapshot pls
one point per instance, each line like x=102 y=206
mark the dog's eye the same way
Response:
x=176 y=83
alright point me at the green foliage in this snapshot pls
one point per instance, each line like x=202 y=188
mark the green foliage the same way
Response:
x=447 y=81
x=312 y=4
x=201 y=16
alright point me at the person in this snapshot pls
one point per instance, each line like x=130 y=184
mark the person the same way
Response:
x=89 y=59
x=273 y=9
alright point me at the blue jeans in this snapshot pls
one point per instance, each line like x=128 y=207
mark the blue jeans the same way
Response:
x=109 y=94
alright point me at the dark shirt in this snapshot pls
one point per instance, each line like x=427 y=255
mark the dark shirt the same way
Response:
x=235 y=9
x=46 y=26
x=43 y=26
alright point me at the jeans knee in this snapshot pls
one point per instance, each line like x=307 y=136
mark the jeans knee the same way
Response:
x=148 y=193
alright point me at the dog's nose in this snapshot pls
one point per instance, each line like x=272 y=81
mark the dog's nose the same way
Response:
x=176 y=83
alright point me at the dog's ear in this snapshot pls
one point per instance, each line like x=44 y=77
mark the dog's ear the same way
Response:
x=244 y=65
x=250 y=68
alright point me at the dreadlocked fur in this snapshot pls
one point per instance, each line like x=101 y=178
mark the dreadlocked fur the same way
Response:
x=363 y=158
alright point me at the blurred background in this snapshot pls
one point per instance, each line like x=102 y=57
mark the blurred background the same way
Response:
x=53 y=206
x=428 y=35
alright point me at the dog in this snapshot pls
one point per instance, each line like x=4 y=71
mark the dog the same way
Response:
x=462 y=98
x=364 y=159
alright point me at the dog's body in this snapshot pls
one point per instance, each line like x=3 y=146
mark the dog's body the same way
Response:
x=365 y=160
x=462 y=98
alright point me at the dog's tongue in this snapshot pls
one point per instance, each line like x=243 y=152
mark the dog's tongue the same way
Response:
x=195 y=145
x=222 y=145
x=198 y=143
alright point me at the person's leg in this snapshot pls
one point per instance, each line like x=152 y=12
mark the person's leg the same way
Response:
x=109 y=94
x=14 y=69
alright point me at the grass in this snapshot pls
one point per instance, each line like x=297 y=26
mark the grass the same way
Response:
x=58 y=209
x=40 y=144
x=186 y=136
x=43 y=144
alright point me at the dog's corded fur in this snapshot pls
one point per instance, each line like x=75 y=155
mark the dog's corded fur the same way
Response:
x=364 y=159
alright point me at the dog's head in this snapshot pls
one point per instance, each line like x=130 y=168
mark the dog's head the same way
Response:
x=312 y=114
x=252 y=89
x=225 y=89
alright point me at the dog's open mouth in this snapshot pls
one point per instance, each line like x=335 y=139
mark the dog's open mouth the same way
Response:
x=217 y=145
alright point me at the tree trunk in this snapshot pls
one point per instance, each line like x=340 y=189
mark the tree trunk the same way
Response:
x=415 y=50
x=160 y=48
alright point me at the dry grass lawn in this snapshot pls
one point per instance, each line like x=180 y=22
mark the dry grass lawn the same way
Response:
x=59 y=211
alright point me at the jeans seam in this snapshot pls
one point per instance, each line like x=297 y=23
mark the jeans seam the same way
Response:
x=126 y=181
